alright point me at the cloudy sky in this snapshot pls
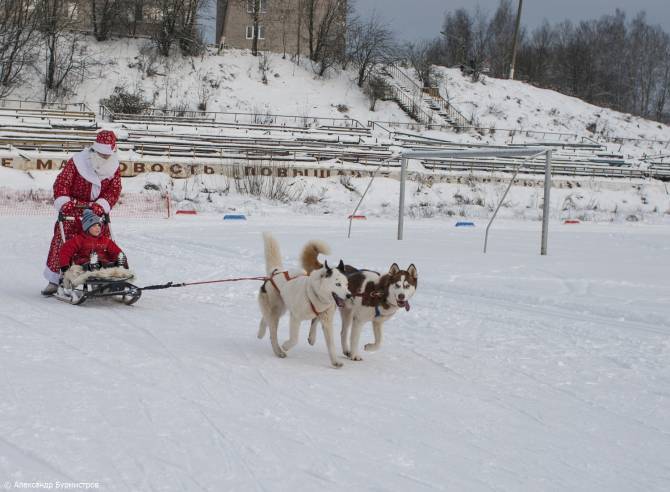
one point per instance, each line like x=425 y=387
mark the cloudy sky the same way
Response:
x=417 y=19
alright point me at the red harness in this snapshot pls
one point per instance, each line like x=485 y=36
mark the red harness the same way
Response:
x=288 y=279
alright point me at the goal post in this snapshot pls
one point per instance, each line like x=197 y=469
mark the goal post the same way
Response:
x=528 y=152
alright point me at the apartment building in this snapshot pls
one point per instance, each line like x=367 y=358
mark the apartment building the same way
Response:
x=279 y=25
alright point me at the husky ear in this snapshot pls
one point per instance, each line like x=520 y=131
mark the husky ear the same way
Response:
x=329 y=271
x=340 y=266
x=412 y=271
x=394 y=269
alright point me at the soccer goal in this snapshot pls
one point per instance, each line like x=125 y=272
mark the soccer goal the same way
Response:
x=528 y=153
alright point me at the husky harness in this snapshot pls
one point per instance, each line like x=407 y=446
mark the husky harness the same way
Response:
x=288 y=279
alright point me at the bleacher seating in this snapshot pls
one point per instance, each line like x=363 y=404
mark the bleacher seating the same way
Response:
x=252 y=138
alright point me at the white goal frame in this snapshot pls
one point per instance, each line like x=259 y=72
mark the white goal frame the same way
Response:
x=529 y=153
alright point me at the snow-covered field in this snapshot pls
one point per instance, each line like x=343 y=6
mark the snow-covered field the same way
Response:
x=512 y=371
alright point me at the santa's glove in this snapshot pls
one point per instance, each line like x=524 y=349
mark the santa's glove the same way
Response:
x=122 y=260
x=70 y=208
x=98 y=210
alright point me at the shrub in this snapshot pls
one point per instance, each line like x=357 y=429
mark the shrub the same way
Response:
x=122 y=101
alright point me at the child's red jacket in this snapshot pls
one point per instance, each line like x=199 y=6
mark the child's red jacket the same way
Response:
x=78 y=250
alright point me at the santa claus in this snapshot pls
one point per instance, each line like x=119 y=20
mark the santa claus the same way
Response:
x=90 y=179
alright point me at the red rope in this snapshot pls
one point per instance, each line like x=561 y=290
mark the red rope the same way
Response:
x=171 y=285
x=224 y=280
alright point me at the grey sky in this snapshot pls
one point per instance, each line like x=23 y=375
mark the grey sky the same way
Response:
x=417 y=19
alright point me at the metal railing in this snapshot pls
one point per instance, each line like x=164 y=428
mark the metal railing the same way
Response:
x=433 y=92
x=213 y=117
x=455 y=115
x=49 y=106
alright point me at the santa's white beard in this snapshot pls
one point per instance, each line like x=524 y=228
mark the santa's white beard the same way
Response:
x=103 y=167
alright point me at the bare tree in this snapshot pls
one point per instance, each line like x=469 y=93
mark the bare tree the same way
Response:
x=421 y=57
x=608 y=61
x=501 y=33
x=376 y=89
x=284 y=12
x=325 y=22
x=664 y=86
x=18 y=25
x=176 y=24
x=534 y=59
x=190 y=41
x=105 y=16
x=66 y=57
x=479 y=55
x=370 y=43
x=457 y=30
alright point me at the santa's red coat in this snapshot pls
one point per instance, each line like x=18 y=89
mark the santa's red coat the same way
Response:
x=79 y=185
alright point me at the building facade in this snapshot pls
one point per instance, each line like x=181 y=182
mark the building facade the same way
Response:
x=280 y=26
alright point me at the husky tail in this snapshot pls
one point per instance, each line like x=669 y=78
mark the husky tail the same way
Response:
x=310 y=255
x=272 y=253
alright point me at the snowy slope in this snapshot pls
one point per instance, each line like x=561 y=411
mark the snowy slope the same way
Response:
x=511 y=372
x=511 y=104
x=231 y=79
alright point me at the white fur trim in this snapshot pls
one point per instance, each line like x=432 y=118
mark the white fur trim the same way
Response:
x=60 y=201
x=76 y=275
x=82 y=161
x=103 y=148
x=104 y=204
x=53 y=277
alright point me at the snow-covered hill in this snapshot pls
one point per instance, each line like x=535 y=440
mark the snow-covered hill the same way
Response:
x=230 y=81
x=511 y=104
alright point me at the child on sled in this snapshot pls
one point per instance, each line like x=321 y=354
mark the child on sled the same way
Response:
x=91 y=254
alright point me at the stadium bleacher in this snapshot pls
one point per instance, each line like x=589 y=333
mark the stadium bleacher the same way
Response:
x=284 y=138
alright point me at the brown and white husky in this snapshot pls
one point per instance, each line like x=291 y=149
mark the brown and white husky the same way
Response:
x=374 y=298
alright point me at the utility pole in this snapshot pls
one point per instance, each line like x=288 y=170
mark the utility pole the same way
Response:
x=516 y=38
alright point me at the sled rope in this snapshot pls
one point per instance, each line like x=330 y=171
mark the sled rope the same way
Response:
x=171 y=285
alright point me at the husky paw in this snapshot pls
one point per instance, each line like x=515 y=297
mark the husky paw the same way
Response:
x=356 y=357
x=337 y=364
x=287 y=346
x=371 y=347
x=311 y=340
x=281 y=355
x=347 y=353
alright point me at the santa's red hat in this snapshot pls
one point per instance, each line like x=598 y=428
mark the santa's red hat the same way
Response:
x=105 y=142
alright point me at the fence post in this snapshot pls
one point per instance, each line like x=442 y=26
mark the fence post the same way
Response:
x=401 y=207
x=545 y=208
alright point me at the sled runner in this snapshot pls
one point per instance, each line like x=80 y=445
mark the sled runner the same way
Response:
x=95 y=286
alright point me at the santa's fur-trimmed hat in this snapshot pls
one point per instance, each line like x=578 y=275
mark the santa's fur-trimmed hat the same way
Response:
x=105 y=142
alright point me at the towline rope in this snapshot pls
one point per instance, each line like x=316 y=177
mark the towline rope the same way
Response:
x=171 y=285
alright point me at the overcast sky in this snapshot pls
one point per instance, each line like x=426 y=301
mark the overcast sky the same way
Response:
x=418 y=19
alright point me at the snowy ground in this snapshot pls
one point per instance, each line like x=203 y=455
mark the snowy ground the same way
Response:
x=511 y=372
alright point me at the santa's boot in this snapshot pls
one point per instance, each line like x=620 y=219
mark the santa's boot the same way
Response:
x=50 y=289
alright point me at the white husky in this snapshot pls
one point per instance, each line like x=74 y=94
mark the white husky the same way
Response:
x=305 y=296
x=374 y=298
